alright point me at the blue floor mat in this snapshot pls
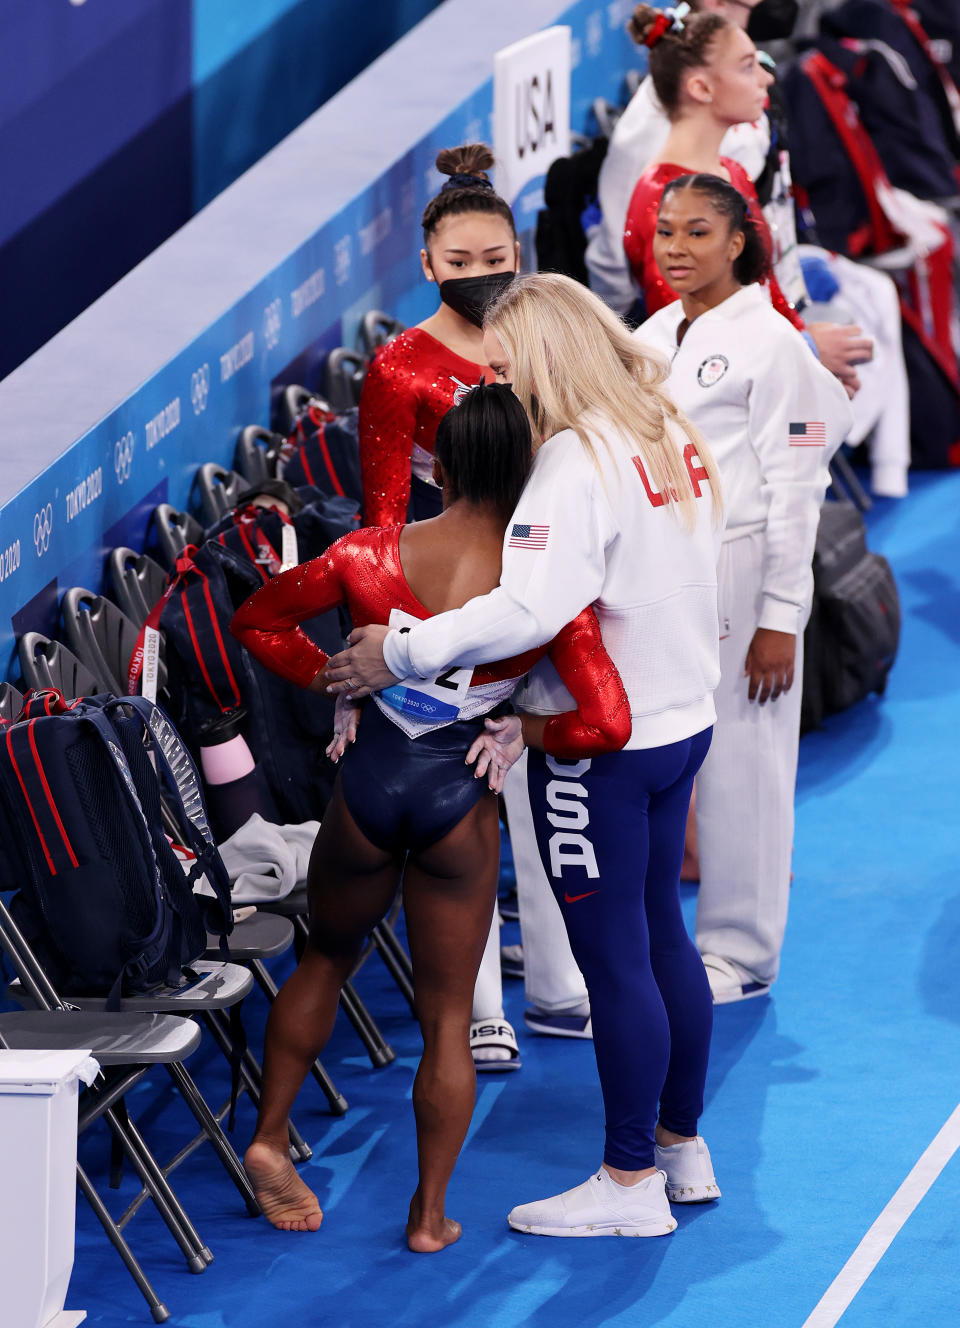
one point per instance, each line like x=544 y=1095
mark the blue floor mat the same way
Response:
x=820 y=1099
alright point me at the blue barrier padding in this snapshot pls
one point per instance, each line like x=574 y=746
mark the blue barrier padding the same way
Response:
x=166 y=368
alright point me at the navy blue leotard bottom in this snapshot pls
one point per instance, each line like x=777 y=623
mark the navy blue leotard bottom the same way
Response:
x=610 y=833
x=407 y=793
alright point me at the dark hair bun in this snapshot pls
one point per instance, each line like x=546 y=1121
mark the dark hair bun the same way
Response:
x=469 y=159
x=641 y=23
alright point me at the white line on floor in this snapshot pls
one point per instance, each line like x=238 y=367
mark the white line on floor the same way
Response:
x=879 y=1238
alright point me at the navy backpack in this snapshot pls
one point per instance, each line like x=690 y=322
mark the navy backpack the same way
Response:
x=323 y=450
x=102 y=896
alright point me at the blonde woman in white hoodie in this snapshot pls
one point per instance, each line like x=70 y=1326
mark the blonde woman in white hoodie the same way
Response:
x=622 y=511
x=773 y=417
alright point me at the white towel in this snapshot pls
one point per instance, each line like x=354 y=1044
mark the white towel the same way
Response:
x=266 y=861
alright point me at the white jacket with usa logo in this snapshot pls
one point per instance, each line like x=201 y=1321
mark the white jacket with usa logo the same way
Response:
x=600 y=534
x=773 y=417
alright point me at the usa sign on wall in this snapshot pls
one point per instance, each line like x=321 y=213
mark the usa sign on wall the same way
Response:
x=531 y=117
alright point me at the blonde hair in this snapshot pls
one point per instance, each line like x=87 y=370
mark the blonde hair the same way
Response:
x=573 y=357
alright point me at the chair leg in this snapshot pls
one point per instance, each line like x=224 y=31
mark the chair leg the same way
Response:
x=251 y=1077
x=378 y=1049
x=157 y=1308
x=396 y=961
x=160 y=1191
x=211 y=1127
x=338 y=1103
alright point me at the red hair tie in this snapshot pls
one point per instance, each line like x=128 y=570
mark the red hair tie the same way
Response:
x=661 y=24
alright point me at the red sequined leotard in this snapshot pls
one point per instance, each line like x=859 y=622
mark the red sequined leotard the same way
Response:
x=363 y=571
x=409 y=387
x=641 y=226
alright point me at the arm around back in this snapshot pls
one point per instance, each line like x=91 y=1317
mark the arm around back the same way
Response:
x=601 y=722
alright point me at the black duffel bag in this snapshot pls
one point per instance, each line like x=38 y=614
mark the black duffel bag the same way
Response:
x=851 y=639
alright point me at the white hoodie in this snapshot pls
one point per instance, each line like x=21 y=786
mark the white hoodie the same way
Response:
x=773 y=417
x=582 y=535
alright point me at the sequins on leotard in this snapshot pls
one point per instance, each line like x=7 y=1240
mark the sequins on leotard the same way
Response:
x=363 y=571
x=409 y=387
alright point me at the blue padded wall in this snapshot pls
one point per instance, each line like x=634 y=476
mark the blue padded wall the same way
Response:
x=120 y=118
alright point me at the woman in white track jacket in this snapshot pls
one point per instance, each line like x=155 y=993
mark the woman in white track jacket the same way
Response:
x=773 y=417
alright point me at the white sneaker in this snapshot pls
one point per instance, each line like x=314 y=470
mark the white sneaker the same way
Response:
x=729 y=983
x=689 y=1171
x=600 y=1207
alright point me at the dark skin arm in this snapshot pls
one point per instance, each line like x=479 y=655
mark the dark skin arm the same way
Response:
x=770 y=663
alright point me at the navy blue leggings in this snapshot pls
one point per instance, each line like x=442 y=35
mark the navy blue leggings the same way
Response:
x=610 y=833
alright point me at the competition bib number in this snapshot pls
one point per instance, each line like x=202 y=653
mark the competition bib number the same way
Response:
x=430 y=699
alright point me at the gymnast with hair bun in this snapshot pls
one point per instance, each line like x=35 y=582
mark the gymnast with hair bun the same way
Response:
x=470 y=251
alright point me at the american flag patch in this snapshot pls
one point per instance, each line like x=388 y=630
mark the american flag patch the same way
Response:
x=528 y=537
x=811 y=434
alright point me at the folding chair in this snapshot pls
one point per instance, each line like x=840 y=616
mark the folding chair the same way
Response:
x=219 y=490
x=126 y=1047
x=293 y=402
x=137 y=582
x=217 y=987
x=376 y=329
x=259 y=937
x=174 y=531
x=45 y=664
x=10 y=702
x=256 y=453
x=103 y=638
x=343 y=373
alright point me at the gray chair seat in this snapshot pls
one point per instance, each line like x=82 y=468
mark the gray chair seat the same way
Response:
x=113 y=1039
x=290 y=905
x=260 y=936
x=219 y=986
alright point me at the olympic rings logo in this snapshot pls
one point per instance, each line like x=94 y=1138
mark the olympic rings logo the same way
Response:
x=272 y=319
x=200 y=388
x=123 y=457
x=42 y=529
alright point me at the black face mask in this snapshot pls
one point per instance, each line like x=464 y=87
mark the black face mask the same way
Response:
x=772 y=20
x=471 y=297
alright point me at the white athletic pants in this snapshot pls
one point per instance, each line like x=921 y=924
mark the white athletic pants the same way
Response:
x=745 y=788
x=488 y=992
x=553 y=980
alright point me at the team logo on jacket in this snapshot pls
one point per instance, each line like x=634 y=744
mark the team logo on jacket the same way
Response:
x=712 y=370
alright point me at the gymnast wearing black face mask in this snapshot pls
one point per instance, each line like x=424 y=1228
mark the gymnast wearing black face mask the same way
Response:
x=471 y=253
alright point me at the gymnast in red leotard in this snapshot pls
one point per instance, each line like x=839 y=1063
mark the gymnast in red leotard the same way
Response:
x=471 y=252
x=707 y=76
x=408 y=800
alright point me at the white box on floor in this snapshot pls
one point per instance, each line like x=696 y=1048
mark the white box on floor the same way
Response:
x=38 y=1157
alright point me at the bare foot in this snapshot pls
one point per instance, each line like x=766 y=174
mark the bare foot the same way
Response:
x=287 y=1203
x=428 y=1238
